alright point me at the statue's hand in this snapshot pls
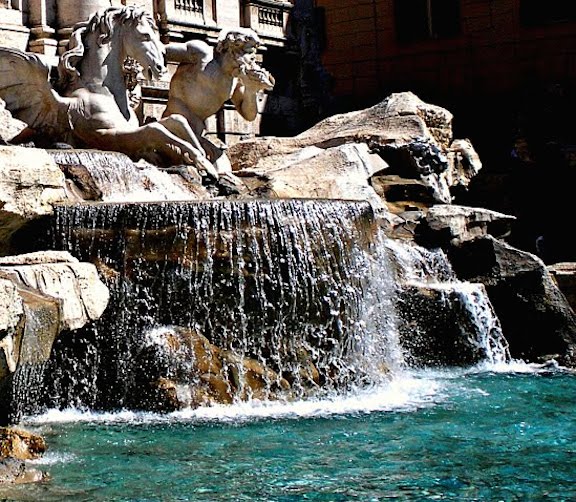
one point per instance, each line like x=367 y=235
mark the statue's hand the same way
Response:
x=255 y=78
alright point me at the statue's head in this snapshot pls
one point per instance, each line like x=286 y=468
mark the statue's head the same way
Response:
x=238 y=42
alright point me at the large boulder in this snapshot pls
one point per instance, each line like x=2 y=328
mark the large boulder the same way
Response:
x=564 y=273
x=30 y=183
x=41 y=295
x=341 y=172
x=536 y=318
x=448 y=324
x=178 y=368
x=414 y=137
x=75 y=286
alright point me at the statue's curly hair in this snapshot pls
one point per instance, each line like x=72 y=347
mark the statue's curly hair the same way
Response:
x=236 y=41
x=103 y=22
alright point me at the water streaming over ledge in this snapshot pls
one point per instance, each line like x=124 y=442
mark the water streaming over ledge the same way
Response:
x=226 y=301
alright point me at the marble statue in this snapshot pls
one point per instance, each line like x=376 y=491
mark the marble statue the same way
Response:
x=207 y=78
x=88 y=106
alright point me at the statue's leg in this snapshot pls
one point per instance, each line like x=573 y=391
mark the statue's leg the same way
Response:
x=178 y=125
x=191 y=151
x=217 y=155
x=155 y=139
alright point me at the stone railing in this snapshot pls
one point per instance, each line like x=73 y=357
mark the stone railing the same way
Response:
x=189 y=6
x=185 y=15
x=267 y=17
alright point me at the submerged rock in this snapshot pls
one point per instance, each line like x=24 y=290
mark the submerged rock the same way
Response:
x=16 y=472
x=17 y=446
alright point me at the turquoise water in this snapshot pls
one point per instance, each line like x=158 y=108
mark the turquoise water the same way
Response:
x=449 y=435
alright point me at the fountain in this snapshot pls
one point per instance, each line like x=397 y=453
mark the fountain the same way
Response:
x=222 y=301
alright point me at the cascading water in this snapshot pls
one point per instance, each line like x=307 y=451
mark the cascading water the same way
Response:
x=444 y=321
x=222 y=301
x=117 y=178
x=226 y=300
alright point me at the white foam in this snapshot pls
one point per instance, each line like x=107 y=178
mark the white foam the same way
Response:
x=404 y=393
x=51 y=458
x=408 y=391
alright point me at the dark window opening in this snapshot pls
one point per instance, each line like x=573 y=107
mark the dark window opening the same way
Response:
x=418 y=20
x=537 y=13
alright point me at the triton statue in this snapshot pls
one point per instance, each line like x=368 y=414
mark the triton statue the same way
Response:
x=206 y=78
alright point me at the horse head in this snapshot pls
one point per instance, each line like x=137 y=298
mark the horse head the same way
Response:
x=130 y=29
x=141 y=41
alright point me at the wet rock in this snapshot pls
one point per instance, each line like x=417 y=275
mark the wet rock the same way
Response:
x=13 y=471
x=17 y=446
x=437 y=325
x=21 y=444
x=536 y=318
x=41 y=295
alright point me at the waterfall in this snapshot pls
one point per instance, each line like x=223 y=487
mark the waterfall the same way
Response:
x=444 y=321
x=220 y=301
x=217 y=301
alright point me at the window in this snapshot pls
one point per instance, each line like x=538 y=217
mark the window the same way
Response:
x=534 y=12
x=426 y=19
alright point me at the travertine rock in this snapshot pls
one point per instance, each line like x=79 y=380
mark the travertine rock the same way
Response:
x=335 y=173
x=413 y=137
x=42 y=294
x=30 y=183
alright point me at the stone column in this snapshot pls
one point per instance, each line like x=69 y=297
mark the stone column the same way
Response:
x=70 y=12
x=42 y=20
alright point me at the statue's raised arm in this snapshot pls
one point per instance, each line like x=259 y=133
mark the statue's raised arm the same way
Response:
x=207 y=77
x=91 y=108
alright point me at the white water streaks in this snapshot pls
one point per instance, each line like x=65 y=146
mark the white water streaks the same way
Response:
x=406 y=392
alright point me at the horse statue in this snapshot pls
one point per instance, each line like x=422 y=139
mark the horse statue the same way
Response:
x=88 y=106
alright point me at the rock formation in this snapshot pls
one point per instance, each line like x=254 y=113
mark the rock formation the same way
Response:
x=399 y=155
x=16 y=447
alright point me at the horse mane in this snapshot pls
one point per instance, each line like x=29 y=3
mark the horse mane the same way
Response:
x=102 y=22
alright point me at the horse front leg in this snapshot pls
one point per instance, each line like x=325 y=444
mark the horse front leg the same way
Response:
x=179 y=125
x=152 y=142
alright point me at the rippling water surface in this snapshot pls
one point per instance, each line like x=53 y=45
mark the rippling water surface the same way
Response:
x=485 y=434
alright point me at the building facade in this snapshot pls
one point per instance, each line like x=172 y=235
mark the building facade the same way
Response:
x=479 y=58
x=463 y=47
